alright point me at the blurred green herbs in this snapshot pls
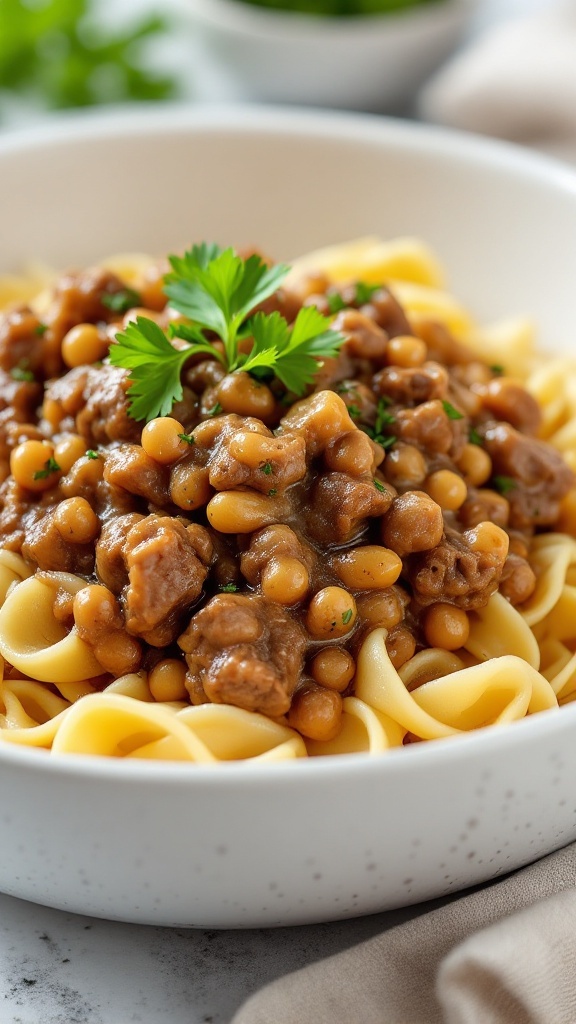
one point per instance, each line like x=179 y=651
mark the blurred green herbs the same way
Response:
x=57 y=53
x=341 y=8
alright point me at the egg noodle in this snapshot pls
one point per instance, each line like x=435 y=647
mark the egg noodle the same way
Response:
x=516 y=661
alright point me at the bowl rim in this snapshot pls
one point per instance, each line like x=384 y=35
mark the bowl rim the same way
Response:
x=265 y=23
x=153 y=121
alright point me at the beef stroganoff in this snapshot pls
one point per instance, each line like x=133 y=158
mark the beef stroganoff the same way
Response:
x=253 y=512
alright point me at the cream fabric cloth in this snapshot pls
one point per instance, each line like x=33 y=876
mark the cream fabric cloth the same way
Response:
x=517 y=81
x=502 y=954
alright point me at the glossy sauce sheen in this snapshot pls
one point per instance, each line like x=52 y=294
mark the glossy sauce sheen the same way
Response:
x=243 y=548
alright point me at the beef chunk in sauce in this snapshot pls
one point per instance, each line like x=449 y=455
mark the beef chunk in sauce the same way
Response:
x=246 y=651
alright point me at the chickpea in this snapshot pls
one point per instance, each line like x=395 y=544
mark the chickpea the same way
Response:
x=406 y=351
x=83 y=344
x=243 y=511
x=475 y=465
x=487 y=538
x=189 y=486
x=316 y=712
x=167 y=680
x=333 y=667
x=162 y=440
x=380 y=608
x=369 y=567
x=52 y=412
x=96 y=610
x=76 y=521
x=285 y=580
x=400 y=645
x=69 y=450
x=331 y=613
x=238 y=392
x=33 y=466
x=119 y=653
x=413 y=523
x=447 y=489
x=152 y=287
x=405 y=465
x=446 y=626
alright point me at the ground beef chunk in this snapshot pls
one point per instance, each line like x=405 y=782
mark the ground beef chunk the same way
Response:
x=354 y=453
x=44 y=546
x=23 y=345
x=103 y=413
x=78 y=298
x=319 y=419
x=166 y=577
x=454 y=573
x=428 y=427
x=340 y=504
x=413 y=386
x=64 y=397
x=110 y=565
x=246 y=651
x=273 y=542
x=130 y=468
x=518 y=581
x=442 y=346
x=364 y=338
x=484 y=505
x=387 y=312
x=538 y=475
x=257 y=459
x=504 y=399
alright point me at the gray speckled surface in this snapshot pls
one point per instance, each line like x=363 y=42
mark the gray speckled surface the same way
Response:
x=59 y=968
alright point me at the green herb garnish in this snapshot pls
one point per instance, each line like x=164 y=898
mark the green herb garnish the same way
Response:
x=217 y=290
x=50 y=466
x=346 y=616
x=228 y=588
x=266 y=468
x=91 y=454
x=272 y=492
x=451 y=412
x=354 y=412
x=383 y=418
x=504 y=484
x=497 y=369
x=215 y=410
x=121 y=301
x=474 y=437
x=365 y=292
x=335 y=302
x=22 y=374
x=40 y=329
x=60 y=53
x=188 y=438
x=379 y=487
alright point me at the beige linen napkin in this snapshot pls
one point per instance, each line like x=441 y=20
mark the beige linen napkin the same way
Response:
x=502 y=954
x=517 y=81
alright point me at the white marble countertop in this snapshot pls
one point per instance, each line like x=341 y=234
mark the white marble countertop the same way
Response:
x=59 y=968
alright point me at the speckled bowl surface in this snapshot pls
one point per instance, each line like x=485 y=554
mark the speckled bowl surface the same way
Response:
x=237 y=845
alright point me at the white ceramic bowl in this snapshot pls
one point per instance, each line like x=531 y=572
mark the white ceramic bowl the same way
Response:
x=367 y=62
x=238 y=845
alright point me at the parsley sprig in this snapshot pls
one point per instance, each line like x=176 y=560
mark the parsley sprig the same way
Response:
x=217 y=291
x=383 y=419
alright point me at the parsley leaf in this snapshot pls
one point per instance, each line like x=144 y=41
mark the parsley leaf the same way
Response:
x=217 y=290
x=188 y=438
x=155 y=367
x=121 y=301
x=364 y=292
x=228 y=588
x=91 y=454
x=21 y=373
x=451 y=412
x=335 y=302
x=474 y=437
x=504 y=484
x=50 y=466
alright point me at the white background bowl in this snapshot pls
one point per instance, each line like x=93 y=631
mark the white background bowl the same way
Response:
x=371 y=62
x=235 y=845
